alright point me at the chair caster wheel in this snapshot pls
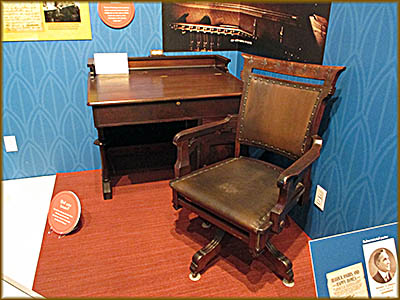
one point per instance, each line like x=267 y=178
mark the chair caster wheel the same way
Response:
x=288 y=283
x=194 y=277
x=205 y=225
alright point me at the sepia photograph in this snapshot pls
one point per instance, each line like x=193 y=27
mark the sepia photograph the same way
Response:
x=382 y=265
x=61 y=11
x=295 y=32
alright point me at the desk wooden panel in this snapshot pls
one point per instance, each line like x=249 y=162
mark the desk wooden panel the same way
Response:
x=118 y=115
x=159 y=90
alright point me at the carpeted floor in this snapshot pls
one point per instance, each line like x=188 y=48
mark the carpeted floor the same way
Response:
x=137 y=245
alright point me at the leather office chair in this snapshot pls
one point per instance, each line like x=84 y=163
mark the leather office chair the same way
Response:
x=247 y=197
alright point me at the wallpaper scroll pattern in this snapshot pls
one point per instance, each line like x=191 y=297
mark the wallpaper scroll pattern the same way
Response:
x=358 y=163
x=45 y=94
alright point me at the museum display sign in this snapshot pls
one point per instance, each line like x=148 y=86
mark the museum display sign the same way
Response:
x=45 y=20
x=116 y=14
x=64 y=212
x=357 y=263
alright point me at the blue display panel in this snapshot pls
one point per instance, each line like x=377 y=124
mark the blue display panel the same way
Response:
x=335 y=252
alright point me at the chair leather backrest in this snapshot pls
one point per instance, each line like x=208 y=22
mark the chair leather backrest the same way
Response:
x=278 y=114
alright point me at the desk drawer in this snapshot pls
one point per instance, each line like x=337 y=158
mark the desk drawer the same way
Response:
x=154 y=112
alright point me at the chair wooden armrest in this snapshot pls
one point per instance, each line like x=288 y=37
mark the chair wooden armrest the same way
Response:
x=302 y=163
x=292 y=186
x=210 y=134
x=205 y=129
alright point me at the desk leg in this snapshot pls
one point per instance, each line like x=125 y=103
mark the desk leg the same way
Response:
x=107 y=191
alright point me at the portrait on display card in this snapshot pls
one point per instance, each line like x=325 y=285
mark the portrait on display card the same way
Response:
x=381 y=261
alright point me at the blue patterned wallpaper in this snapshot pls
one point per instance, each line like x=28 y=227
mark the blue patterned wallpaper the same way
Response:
x=44 y=106
x=358 y=163
x=45 y=94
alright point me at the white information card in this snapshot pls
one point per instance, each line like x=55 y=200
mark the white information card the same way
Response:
x=348 y=282
x=111 y=63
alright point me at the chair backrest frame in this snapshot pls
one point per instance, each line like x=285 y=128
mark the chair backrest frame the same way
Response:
x=327 y=74
x=315 y=96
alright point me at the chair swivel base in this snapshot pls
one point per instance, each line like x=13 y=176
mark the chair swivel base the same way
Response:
x=279 y=264
x=202 y=257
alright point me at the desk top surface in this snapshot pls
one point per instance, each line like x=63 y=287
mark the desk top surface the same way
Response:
x=169 y=84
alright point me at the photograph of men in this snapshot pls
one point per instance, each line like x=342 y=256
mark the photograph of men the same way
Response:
x=383 y=264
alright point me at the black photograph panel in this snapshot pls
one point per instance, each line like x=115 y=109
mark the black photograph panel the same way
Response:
x=286 y=31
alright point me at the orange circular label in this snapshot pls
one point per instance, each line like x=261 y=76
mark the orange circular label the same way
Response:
x=64 y=212
x=116 y=14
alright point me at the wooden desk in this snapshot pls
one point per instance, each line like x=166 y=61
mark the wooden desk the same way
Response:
x=160 y=96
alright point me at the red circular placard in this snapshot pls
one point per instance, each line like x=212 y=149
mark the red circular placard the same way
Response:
x=116 y=14
x=64 y=212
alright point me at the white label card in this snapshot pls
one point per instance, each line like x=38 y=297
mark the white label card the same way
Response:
x=111 y=63
x=348 y=282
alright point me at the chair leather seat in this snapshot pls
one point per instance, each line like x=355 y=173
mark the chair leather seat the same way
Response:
x=242 y=189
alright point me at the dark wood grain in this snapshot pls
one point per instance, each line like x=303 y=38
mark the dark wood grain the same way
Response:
x=162 y=85
x=159 y=90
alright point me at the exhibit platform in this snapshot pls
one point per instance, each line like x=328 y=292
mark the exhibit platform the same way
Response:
x=137 y=245
x=25 y=203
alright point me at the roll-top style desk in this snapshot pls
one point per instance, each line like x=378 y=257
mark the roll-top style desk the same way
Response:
x=137 y=114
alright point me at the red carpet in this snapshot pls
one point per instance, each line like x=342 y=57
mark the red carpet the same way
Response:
x=137 y=245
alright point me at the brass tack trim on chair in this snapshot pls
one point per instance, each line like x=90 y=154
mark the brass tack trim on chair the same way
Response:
x=261 y=221
x=206 y=170
x=269 y=146
x=310 y=121
x=317 y=101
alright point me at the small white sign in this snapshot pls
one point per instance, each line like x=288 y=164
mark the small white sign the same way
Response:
x=320 y=197
x=111 y=63
x=381 y=261
x=10 y=143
